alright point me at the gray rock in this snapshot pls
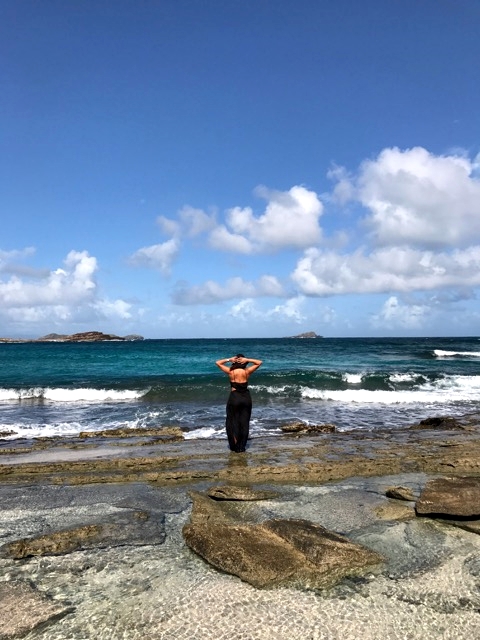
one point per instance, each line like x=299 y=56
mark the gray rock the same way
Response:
x=453 y=497
x=23 y=608
x=130 y=527
x=275 y=552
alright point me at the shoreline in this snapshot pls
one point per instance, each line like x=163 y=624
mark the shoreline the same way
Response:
x=167 y=460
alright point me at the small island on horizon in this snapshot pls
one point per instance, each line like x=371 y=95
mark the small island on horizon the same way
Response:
x=307 y=334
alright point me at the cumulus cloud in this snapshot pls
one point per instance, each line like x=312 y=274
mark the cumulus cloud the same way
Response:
x=288 y=312
x=392 y=269
x=158 y=256
x=415 y=197
x=211 y=292
x=290 y=220
x=64 y=294
x=395 y=315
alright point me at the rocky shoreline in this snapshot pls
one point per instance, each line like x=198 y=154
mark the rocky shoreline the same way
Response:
x=329 y=514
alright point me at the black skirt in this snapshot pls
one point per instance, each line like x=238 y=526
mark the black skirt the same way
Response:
x=239 y=410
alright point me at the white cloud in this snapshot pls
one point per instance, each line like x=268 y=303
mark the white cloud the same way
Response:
x=157 y=256
x=195 y=221
x=416 y=197
x=211 y=292
x=70 y=285
x=400 y=269
x=66 y=294
x=290 y=310
x=395 y=315
x=290 y=220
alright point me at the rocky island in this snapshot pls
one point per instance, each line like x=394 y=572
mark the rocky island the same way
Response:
x=86 y=336
x=307 y=334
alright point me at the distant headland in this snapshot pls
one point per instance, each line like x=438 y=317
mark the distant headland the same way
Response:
x=86 y=336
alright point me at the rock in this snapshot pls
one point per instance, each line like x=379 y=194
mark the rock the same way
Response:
x=302 y=427
x=307 y=334
x=395 y=511
x=133 y=337
x=5 y=434
x=23 y=608
x=170 y=434
x=132 y=528
x=400 y=493
x=276 y=552
x=240 y=493
x=455 y=497
x=445 y=423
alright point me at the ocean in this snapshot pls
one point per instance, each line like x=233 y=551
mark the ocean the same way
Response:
x=61 y=389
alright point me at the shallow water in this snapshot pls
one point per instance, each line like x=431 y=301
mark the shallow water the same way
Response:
x=429 y=587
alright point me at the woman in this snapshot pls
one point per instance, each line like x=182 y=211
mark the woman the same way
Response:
x=239 y=405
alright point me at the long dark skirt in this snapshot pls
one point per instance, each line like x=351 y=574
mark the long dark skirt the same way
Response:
x=239 y=410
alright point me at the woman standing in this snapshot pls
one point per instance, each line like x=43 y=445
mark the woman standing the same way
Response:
x=239 y=405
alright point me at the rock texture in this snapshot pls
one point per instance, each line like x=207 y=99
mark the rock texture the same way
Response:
x=302 y=427
x=400 y=493
x=23 y=608
x=133 y=528
x=438 y=422
x=452 y=497
x=275 y=552
x=237 y=493
x=85 y=336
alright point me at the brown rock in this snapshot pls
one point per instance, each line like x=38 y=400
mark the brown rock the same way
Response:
x=400 y=493
x=227 y=492
x=302 y=427
x=275 y=552
x=452 y=497
x=163 y=433
x=445 y=423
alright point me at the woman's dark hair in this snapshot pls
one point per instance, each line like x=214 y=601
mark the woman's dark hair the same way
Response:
x=238 y=365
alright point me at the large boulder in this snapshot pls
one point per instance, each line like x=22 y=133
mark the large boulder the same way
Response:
x=274 y=552
x=451 y=497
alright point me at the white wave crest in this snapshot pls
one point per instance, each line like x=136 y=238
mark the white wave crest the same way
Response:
x=402 y=377
x=439 y=353
x=69 y=395
x=352 y=378
x=449 y=389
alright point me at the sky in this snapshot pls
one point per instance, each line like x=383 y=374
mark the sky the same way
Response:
x=240 y=168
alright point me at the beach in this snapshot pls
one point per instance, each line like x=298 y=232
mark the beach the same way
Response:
x=146 y=582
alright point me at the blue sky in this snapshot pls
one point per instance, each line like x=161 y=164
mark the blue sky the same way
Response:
x=227 y=168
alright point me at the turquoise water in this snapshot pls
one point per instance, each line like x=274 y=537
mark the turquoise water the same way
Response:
x=61 y=389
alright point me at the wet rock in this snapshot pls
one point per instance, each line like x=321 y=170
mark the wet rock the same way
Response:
x=129 y=528
x=227 y=492
x=446 y=423
x=170 y=434
x=5 y=434
x=23 y=608
x=454 y=497
x=302 y=427
x=400 y=493
x=275 y=552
